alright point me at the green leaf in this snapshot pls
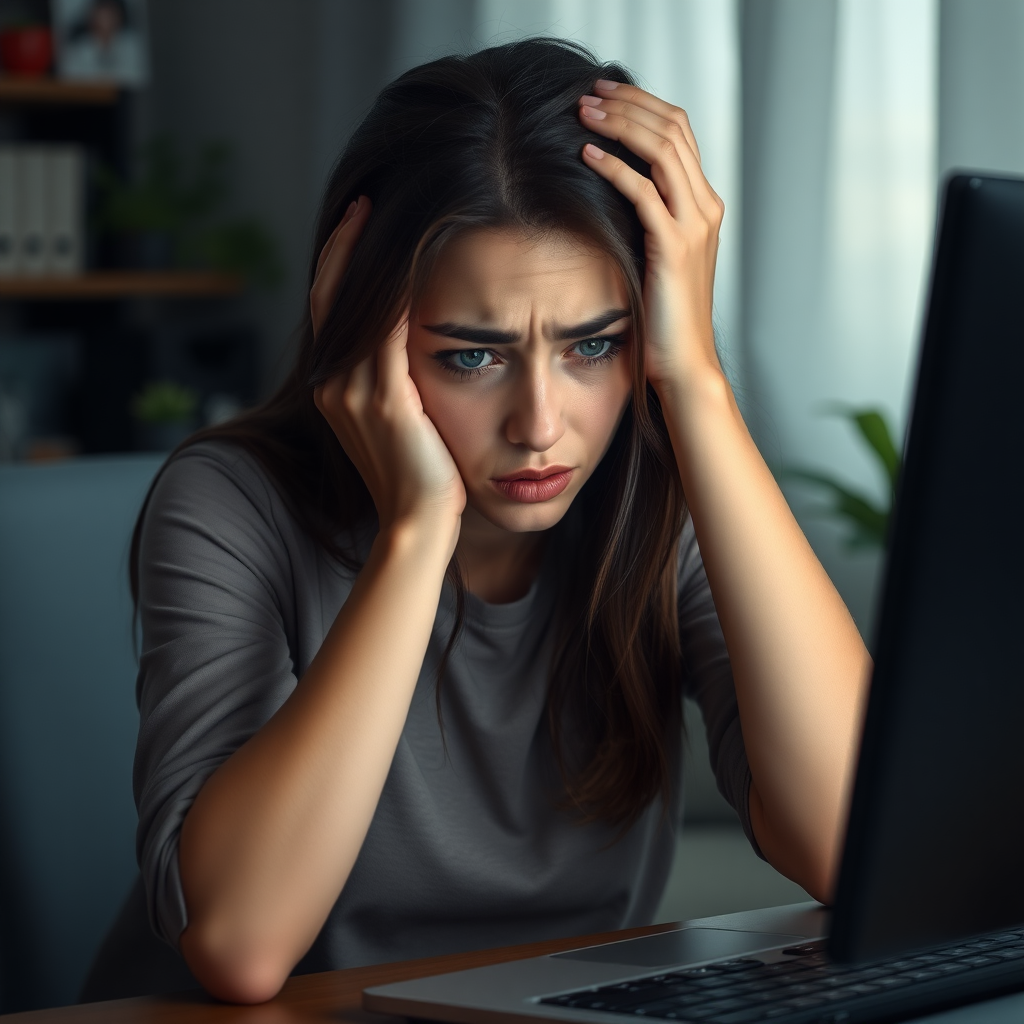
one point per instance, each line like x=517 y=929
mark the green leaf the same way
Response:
x=869 y=522
x=873 y=427
x=163 y=401
x=180 y=199
x=875 y=431
x=243 y=247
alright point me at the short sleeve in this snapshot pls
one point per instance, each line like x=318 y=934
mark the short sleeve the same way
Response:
x=216 y=663
x=708 y=680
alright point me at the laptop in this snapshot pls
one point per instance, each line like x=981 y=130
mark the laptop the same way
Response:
x=929 y=907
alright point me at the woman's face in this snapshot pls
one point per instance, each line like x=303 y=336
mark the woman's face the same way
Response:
x=518 y=347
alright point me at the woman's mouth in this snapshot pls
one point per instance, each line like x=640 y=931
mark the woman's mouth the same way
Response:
x=533 y=485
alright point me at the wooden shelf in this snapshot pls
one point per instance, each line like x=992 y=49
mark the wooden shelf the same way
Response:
x=54 y=91
x=121 y=284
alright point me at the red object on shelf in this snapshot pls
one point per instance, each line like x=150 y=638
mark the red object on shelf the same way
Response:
x=27 y=50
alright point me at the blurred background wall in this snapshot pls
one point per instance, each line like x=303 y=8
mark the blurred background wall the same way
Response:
x=283 y=83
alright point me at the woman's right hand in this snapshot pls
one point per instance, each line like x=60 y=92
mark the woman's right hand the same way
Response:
x=375 y=409
x=269 y=842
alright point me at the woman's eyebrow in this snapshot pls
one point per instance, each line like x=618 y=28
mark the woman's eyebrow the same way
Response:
x=478 y=335
x=593 y=326
x=492 y=336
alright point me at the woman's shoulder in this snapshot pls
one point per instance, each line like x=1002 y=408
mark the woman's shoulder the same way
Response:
x=215 y=520
x=219 y=486
x=216 y=473
x=223 y=487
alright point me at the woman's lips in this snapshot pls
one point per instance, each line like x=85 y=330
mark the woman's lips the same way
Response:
x=529 y=487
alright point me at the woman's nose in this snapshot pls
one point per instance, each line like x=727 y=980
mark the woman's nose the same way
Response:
x=535 y=418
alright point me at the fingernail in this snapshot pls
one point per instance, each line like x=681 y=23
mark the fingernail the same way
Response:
x=594 y=112
x=590 y=101
x=593 y=151
x=606 y=84
x=351 y=209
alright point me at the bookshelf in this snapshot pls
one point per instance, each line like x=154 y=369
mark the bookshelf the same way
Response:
x=120 y=284
x=80 y=343
x=55 y=94
x=45 y=91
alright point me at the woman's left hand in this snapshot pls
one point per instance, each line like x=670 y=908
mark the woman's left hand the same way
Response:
x=681 y=215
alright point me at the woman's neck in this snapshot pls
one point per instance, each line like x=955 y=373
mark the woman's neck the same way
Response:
x=498 y=566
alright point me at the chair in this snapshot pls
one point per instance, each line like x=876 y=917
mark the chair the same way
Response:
x=68 y=720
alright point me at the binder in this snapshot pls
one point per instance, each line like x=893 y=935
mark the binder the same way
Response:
x=30 y=167
x=64 y=210
x=9 y=261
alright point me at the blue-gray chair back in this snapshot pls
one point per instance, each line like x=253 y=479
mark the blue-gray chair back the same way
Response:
x=68 y=720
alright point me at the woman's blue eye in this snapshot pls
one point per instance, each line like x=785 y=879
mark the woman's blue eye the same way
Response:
x=472 y=359
x=593 y=348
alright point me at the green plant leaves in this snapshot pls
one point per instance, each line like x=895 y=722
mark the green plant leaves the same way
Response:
x=181 y=202
x=243 y=247
x=163 y=401
x=868 y=521
x=873 y=428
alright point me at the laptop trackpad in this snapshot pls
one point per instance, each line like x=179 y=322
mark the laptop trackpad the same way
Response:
x=691 y=945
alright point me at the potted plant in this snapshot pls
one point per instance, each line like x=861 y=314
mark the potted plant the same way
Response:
x=164 y=414
x=167 y=216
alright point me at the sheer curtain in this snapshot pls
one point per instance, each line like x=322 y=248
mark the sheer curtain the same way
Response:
x=840 y=115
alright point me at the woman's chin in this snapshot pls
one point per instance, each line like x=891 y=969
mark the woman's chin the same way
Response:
x=517 y=516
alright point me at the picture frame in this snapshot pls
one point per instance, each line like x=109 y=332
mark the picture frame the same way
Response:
x=101 y=41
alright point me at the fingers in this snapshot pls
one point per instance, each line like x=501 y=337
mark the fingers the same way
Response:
x=631 y=94
x=640 y=191
x=343 y=401
x=334 y=259
x=325 y=251
x=659 y=150
x=659 y=134
x=393 y=360
x=381 y=377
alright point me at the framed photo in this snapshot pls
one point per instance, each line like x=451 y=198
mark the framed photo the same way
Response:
x=101 y=40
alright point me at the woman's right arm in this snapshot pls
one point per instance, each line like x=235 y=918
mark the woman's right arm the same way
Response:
x=271 y=837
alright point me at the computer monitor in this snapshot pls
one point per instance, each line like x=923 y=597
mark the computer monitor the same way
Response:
x=935 y=842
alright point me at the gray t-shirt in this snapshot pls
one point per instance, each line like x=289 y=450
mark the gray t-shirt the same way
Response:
x=466 y=849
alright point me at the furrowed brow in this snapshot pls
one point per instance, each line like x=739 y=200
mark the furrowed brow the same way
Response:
x=476 y=335
x=491 y=336
x=594 y=326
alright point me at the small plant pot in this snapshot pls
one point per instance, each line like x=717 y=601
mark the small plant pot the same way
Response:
x=26 y=51
x=162 y=437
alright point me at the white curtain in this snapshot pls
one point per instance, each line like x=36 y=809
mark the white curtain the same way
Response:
x=840 y=114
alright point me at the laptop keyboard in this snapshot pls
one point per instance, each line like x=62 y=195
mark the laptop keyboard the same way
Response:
x=804 y=986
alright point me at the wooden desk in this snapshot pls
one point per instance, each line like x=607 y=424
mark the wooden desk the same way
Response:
x=334 y=996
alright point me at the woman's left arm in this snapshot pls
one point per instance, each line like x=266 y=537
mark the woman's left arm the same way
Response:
x=800 y=666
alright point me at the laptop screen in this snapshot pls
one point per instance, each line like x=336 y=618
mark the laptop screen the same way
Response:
x=935 y=844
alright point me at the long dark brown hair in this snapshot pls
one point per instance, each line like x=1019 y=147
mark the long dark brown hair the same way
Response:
x=493 y=140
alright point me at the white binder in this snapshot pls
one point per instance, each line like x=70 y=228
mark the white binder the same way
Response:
x=65 y=227
x=30 y=172
x=9 y=261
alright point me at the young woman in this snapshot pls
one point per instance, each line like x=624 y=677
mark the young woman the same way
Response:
x=416 y=631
